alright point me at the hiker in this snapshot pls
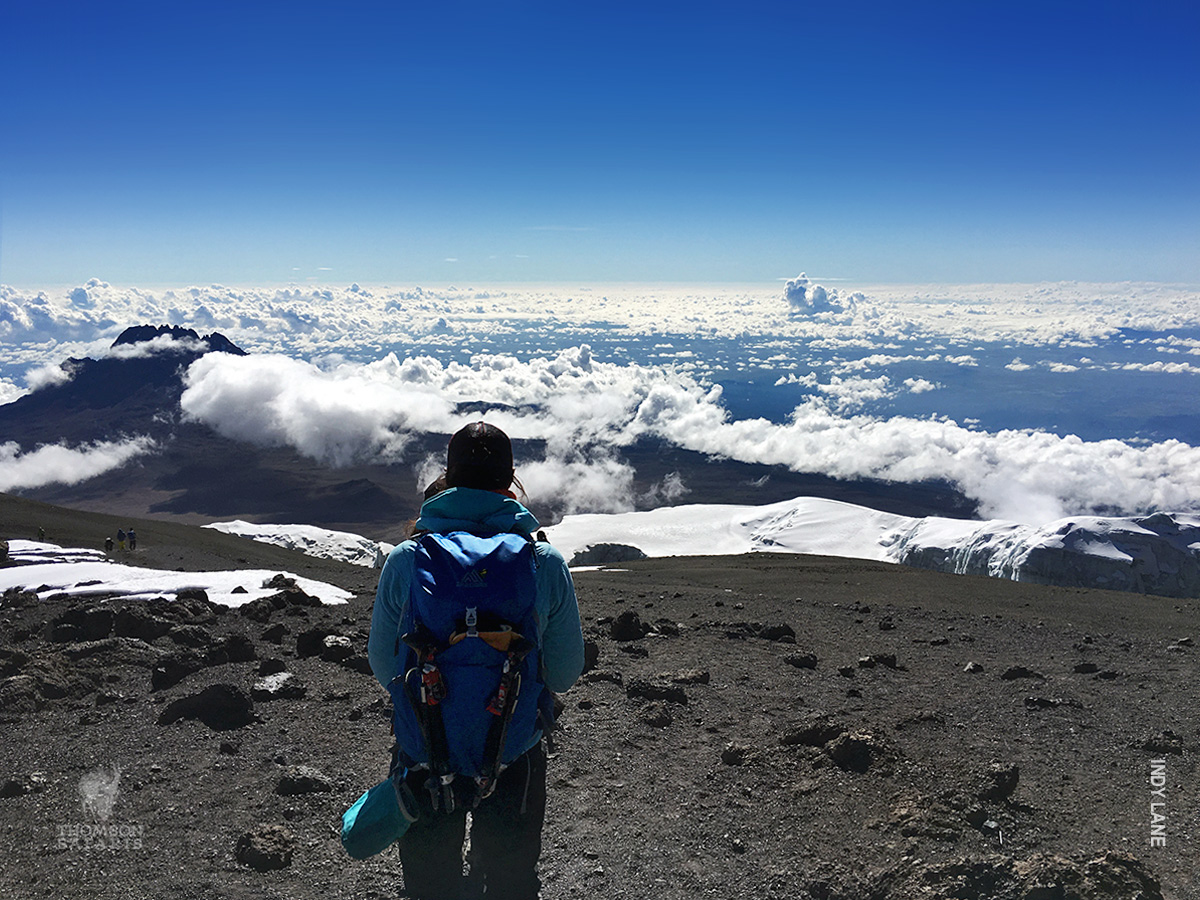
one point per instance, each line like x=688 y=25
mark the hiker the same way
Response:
x=507 y=801
x=132 y=539
x=41 y=534
x=120 y=538
x=108 y=544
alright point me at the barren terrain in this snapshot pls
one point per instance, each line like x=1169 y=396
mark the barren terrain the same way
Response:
x=758 y=726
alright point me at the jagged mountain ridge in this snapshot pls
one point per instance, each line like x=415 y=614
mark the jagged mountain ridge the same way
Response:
x=115 y=396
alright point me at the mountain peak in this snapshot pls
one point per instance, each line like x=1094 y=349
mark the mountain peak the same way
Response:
x=138 y=334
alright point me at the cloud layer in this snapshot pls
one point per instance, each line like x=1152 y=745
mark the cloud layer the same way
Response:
x=978 y=385
x=582 y=408
x=56 y=464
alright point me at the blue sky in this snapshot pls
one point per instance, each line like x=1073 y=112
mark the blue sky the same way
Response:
x=152 y=143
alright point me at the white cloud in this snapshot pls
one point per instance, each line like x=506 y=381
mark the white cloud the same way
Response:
x=806 y=298
x=57 y=464
x=920 y=385
x=582 y=407
x=10 y=392
x=46 y=376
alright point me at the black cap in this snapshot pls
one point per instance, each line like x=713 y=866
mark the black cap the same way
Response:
x=480 y=456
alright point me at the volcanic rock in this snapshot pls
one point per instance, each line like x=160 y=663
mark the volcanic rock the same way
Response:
x=222 y=707
x=303 y=780
x=266 y=848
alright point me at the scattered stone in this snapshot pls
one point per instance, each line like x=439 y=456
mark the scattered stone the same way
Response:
x=1035 y=877
x=1014 y=672
x=852 y=752
x=82 y=624
x=628 y=626
x=635 y=650
x=190 y=607
x=290 y=593
x=279 y=686
x=229 y=748
x=691 y=676
x=312 y=641
x=1166 y=741
x=886 y=624
x=21 y=785
x=18 y=598
x=866 y=662
x=656 y=714
x=336 y=647
x=605 y=554
x=172 y=669
x=222 y=707
x=736 y=754
x=258 y=610
x=234 y=648
x=360 y=664
x=975 y=815
x=600 y=675
x=136 y=621
x=807 y=660
x=1185 y=642
x=267 y=848
x=846 y=671
x=274 y=634
x=1086 y=668
x=1036 y=703
x=815 y=733
x=998 y=782
x=303 y=780
x=656 y=691
x=191 y=636
x=973 y=667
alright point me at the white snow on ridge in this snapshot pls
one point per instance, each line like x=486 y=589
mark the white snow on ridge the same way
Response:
x=1158 y=554
x=320 y=542
x=81 y=573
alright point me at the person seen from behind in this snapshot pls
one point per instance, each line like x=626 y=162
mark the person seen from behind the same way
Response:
x=507 y=811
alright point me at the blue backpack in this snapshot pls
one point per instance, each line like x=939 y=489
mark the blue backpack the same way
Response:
x=468 y=696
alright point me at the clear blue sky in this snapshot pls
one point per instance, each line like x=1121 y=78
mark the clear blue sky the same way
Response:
x=181 y=142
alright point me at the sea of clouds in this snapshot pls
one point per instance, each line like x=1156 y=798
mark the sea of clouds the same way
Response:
x=1038 y=401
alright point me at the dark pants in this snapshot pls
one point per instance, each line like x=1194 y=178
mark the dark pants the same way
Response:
x=506 y=839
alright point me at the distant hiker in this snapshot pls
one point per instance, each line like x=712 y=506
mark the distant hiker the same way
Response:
x=132 y=539
x=108 y=544
x=41 y=533
x=120 y=538
x=475 y=623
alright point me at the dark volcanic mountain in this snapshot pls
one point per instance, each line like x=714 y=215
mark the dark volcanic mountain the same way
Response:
x=119 y=395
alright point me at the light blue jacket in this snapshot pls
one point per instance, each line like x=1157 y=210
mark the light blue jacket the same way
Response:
x=482 y=512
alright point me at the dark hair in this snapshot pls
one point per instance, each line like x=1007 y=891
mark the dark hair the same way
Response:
x=479 y=456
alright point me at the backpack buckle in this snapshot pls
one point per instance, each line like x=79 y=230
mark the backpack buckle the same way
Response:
x=472 y=621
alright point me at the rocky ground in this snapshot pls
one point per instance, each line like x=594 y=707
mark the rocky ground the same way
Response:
x=762 y=726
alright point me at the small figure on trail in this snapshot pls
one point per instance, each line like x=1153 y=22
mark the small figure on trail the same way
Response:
x=41 y=533
x=120 y=538
x=108 y=544
x=495 y=617
x=132 y=539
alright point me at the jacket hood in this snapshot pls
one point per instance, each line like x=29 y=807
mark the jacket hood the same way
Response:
x=479 y=512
